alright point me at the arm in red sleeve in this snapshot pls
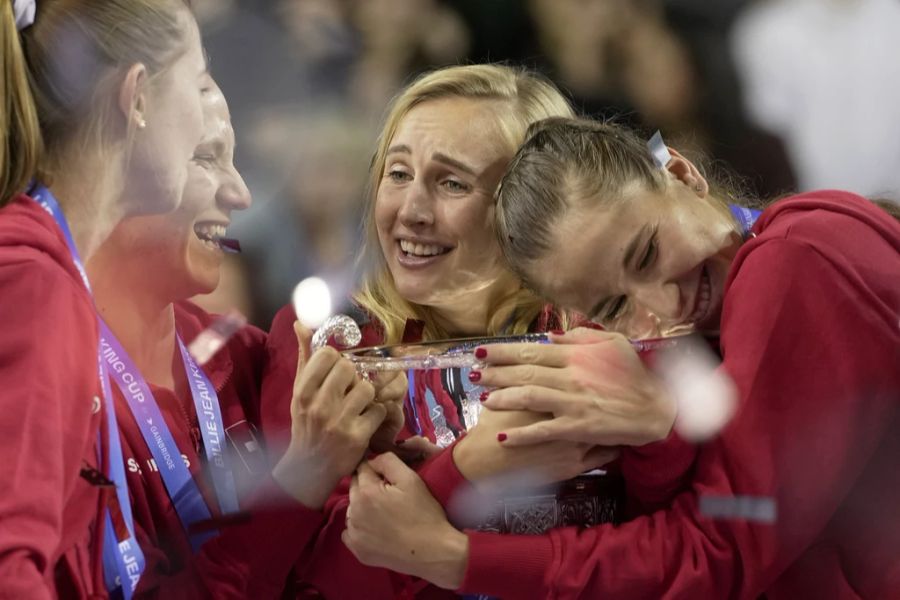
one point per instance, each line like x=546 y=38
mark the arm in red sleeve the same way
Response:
x=246 y=560
x=816 y=366
x=48 y=378
x=656 y=473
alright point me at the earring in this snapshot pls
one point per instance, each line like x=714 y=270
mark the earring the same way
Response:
x=142 y=124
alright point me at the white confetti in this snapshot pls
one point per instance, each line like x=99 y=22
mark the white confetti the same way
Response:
x=312 y=302
x=706 y=396
x=211 y=339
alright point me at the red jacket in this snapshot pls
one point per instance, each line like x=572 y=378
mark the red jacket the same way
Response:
x=652 y=473
x=810 y=335
x=246 y=560
x=49 y=419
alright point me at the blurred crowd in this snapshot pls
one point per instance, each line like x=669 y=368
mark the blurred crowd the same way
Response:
x=789 y=94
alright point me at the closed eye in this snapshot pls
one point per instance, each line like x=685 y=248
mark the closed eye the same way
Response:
x=615 y=309
x=650 y=253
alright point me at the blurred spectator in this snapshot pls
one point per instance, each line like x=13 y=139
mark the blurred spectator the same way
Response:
x=757 y=156
x=618 y=57
x=824 y=75
x=400 y=38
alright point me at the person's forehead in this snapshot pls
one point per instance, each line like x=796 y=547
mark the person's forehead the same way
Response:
x=466 y=127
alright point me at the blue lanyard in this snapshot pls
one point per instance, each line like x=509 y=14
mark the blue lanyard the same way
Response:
x=209 y=415
x=745 y=217
x=183 y=490
x=123 y=559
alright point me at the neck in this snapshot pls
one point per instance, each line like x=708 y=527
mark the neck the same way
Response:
x=91 y=206
x=471 y=315
x=143 y=320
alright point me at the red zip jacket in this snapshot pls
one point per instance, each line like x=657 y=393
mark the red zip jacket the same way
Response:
x=50 y=414
x=653 y=474
x=810 y=335
x=247 y=559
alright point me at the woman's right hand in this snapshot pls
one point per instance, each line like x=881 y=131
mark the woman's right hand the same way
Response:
x=333 y=416
x=491 y=465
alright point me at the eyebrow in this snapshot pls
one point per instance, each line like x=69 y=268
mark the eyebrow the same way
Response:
x=626 y=260
x=438 y=156
x=453 y=163
x=399 y=148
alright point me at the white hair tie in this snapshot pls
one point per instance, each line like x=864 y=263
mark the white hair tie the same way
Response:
x=23 y=12
x=659 y=151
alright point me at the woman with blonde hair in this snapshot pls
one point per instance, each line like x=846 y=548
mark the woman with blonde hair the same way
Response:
x=434 y=270
x=94 y=95
x=253 y=516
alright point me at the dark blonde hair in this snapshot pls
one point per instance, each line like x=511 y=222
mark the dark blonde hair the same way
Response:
x=564 y=161
x=525 y=97
x=58 y=77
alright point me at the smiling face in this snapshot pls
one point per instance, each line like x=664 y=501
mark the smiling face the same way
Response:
x=648 y=263
x=434 y=204
x=181 y=248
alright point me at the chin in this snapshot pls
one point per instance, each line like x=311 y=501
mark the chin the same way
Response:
x=199 y=282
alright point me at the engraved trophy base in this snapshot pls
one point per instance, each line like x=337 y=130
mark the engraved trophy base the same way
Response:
x=587 y=500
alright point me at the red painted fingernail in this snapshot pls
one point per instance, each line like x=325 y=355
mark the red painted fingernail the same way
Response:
x=484 y=396
x=480 y=353
x=557 y=332
x=501 y=437
x=474 y=376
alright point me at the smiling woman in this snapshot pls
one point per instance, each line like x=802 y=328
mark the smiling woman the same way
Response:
x=190 y=514
x=805 y=296
x=434 y=210
x=430 y=254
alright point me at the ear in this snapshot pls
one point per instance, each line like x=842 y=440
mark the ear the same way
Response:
x=687 y=173
x=132 y=96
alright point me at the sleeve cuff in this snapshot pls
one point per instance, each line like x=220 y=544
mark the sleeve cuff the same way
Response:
x=658 y=462
x=508 y=566
x=442 y=476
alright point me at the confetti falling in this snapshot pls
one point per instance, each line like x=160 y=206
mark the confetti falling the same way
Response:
x=211 y=339
x=312 y=302
x=705 y=394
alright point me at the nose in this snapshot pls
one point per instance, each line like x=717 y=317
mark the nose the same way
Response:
x=233 y=192
x=662 y=300
x=416 y=209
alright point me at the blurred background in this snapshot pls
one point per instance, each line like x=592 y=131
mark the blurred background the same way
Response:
x=789 y=94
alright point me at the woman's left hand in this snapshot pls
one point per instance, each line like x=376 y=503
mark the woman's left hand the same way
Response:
x=393 y=522
x=593 y=382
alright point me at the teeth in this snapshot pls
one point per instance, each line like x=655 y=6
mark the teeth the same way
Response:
x=703 y=298
x=210 y=231
x=420 y=249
